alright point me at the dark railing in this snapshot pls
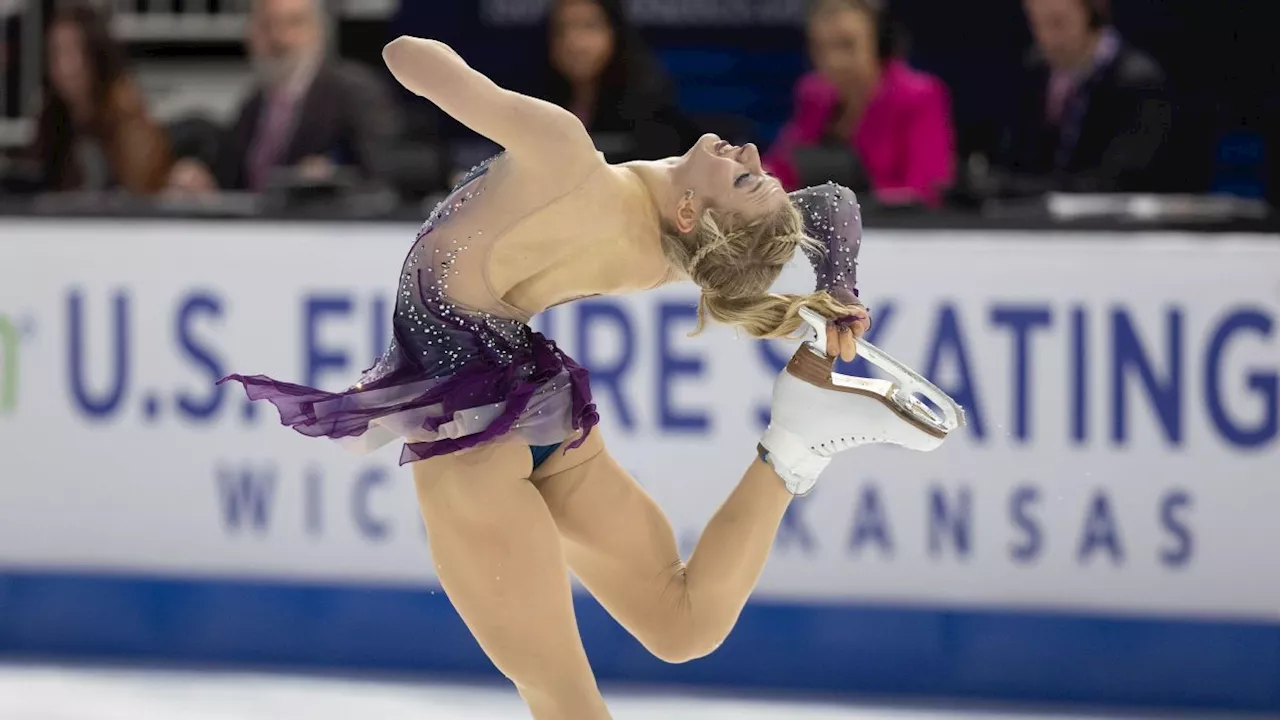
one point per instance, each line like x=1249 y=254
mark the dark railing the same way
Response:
x=1110 y=214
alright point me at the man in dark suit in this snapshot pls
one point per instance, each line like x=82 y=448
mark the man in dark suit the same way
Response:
x=1094 y=115
x=308 y=111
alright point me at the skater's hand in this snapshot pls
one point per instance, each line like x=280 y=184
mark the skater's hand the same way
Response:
x=843 y=334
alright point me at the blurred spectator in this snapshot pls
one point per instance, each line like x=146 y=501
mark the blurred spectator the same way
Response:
x=1094 y=115
x=94 y=132
x=308 y=112
x=864 y=118
x=598 y=67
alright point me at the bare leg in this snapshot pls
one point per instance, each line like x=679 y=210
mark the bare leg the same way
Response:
x=498 y=556
x=620 y=544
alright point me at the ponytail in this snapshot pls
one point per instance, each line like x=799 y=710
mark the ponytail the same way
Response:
x=736 y=263
x=771 y=316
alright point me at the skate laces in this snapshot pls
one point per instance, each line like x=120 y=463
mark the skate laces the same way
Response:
x=832 y=446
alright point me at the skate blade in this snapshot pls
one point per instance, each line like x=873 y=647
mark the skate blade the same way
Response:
x=900 y=394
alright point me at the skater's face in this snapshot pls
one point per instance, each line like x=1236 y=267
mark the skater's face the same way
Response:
x=1061 y=30
x=726 y=177
x=582 y=40
x=843 y=46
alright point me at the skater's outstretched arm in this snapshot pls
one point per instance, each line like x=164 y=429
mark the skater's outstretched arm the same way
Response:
x=523 y=125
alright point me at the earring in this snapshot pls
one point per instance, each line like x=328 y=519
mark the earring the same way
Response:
x=688 y=195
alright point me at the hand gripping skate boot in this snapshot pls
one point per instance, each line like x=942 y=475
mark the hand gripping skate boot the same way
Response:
x=818 y=412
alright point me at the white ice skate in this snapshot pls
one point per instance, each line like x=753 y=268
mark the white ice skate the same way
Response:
x=818 y=412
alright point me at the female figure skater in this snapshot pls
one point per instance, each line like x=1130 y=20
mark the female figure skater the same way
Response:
x=515 y=487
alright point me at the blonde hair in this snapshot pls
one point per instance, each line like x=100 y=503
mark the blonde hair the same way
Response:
x=735 y=262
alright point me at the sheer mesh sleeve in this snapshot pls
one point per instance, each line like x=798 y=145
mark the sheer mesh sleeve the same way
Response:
x=833 y=218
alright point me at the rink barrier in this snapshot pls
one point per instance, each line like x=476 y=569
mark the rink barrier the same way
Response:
x=1102 y=532
x=837 y=649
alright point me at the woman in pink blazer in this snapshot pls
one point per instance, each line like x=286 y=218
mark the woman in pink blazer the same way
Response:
x=895 y=119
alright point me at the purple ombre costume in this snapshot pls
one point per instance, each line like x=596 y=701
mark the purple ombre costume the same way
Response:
x=454 y=377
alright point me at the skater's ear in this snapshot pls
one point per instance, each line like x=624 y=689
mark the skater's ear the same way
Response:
x=687 y=212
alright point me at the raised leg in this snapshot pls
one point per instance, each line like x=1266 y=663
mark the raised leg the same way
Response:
x=620 y=544
x=497 y=553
